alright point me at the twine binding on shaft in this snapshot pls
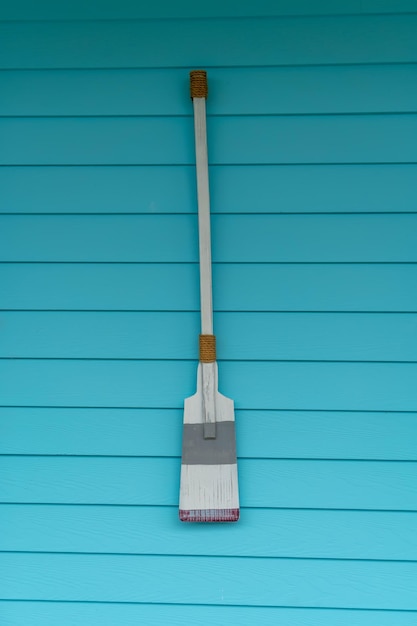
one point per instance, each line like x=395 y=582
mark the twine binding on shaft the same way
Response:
x=207 y=348
x=198 y=84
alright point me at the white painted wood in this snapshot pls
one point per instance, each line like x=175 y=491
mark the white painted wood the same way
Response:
x=209 y=487
x=208 y=384
x=203 y=197
x=204 y=234
x=193 y=406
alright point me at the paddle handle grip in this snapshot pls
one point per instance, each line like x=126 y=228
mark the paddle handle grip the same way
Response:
x=207 y=348
x=198 y=84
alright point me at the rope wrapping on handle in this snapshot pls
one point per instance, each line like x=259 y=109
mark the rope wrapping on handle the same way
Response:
x=198 y=84
x=207 y=348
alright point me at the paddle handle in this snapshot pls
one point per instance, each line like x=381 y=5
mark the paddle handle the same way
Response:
x=199 y=91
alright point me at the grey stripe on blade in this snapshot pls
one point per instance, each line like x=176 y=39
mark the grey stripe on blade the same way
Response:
x=199 y=451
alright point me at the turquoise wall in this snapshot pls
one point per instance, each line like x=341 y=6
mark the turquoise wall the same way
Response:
x=313 y=153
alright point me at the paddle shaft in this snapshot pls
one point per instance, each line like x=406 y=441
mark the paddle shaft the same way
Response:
x=203 y=198
x=208 y=369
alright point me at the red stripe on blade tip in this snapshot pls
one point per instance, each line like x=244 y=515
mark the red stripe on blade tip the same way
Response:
x=209 y=515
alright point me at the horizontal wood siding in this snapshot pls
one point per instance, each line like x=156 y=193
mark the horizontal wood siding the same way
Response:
x=266 y=483
x=259 y=287
x=102 y=383
x=127 y=578
x=167 y=335
x=125 y=9
x=313 y=164
x=300 y=434
x=80 y=613
x=238 y=140
x=297 y=40
x=292 y=533
x=237 y=239
x=156 y=189
x=323 y=89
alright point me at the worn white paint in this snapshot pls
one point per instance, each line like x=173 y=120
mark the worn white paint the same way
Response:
x=204 y=235
x=203 y=198
x=209 y=487
x=209 y=404
x=193 y=406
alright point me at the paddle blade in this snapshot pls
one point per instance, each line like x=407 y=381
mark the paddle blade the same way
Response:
x=209 y=479
x=209 y=493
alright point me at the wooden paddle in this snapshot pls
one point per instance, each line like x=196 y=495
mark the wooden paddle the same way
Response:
x=209 y=482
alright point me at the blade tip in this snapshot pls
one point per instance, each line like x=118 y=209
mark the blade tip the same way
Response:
x=209 y=515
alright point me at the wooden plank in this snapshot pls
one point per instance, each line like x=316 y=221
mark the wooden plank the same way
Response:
x=286 y=386
x=246 y=336
x=237 y=287
x=298 y=287
x=78 y=189
x=314 y=238
x=155 y=530
x=48 y=614
x=288 y=41
x=95 y=578
x=314 y=139
x=234 y=189
x=319 y=188
x=260 y=434
x=107 y=614
x=236 y=238
x=266 y=483
x=124 y=9
x=96 y=141
x=233 y=140
x=317 y=336
x=270 y=90
x=150 y=238
x=112 y=287
x=100 y=335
